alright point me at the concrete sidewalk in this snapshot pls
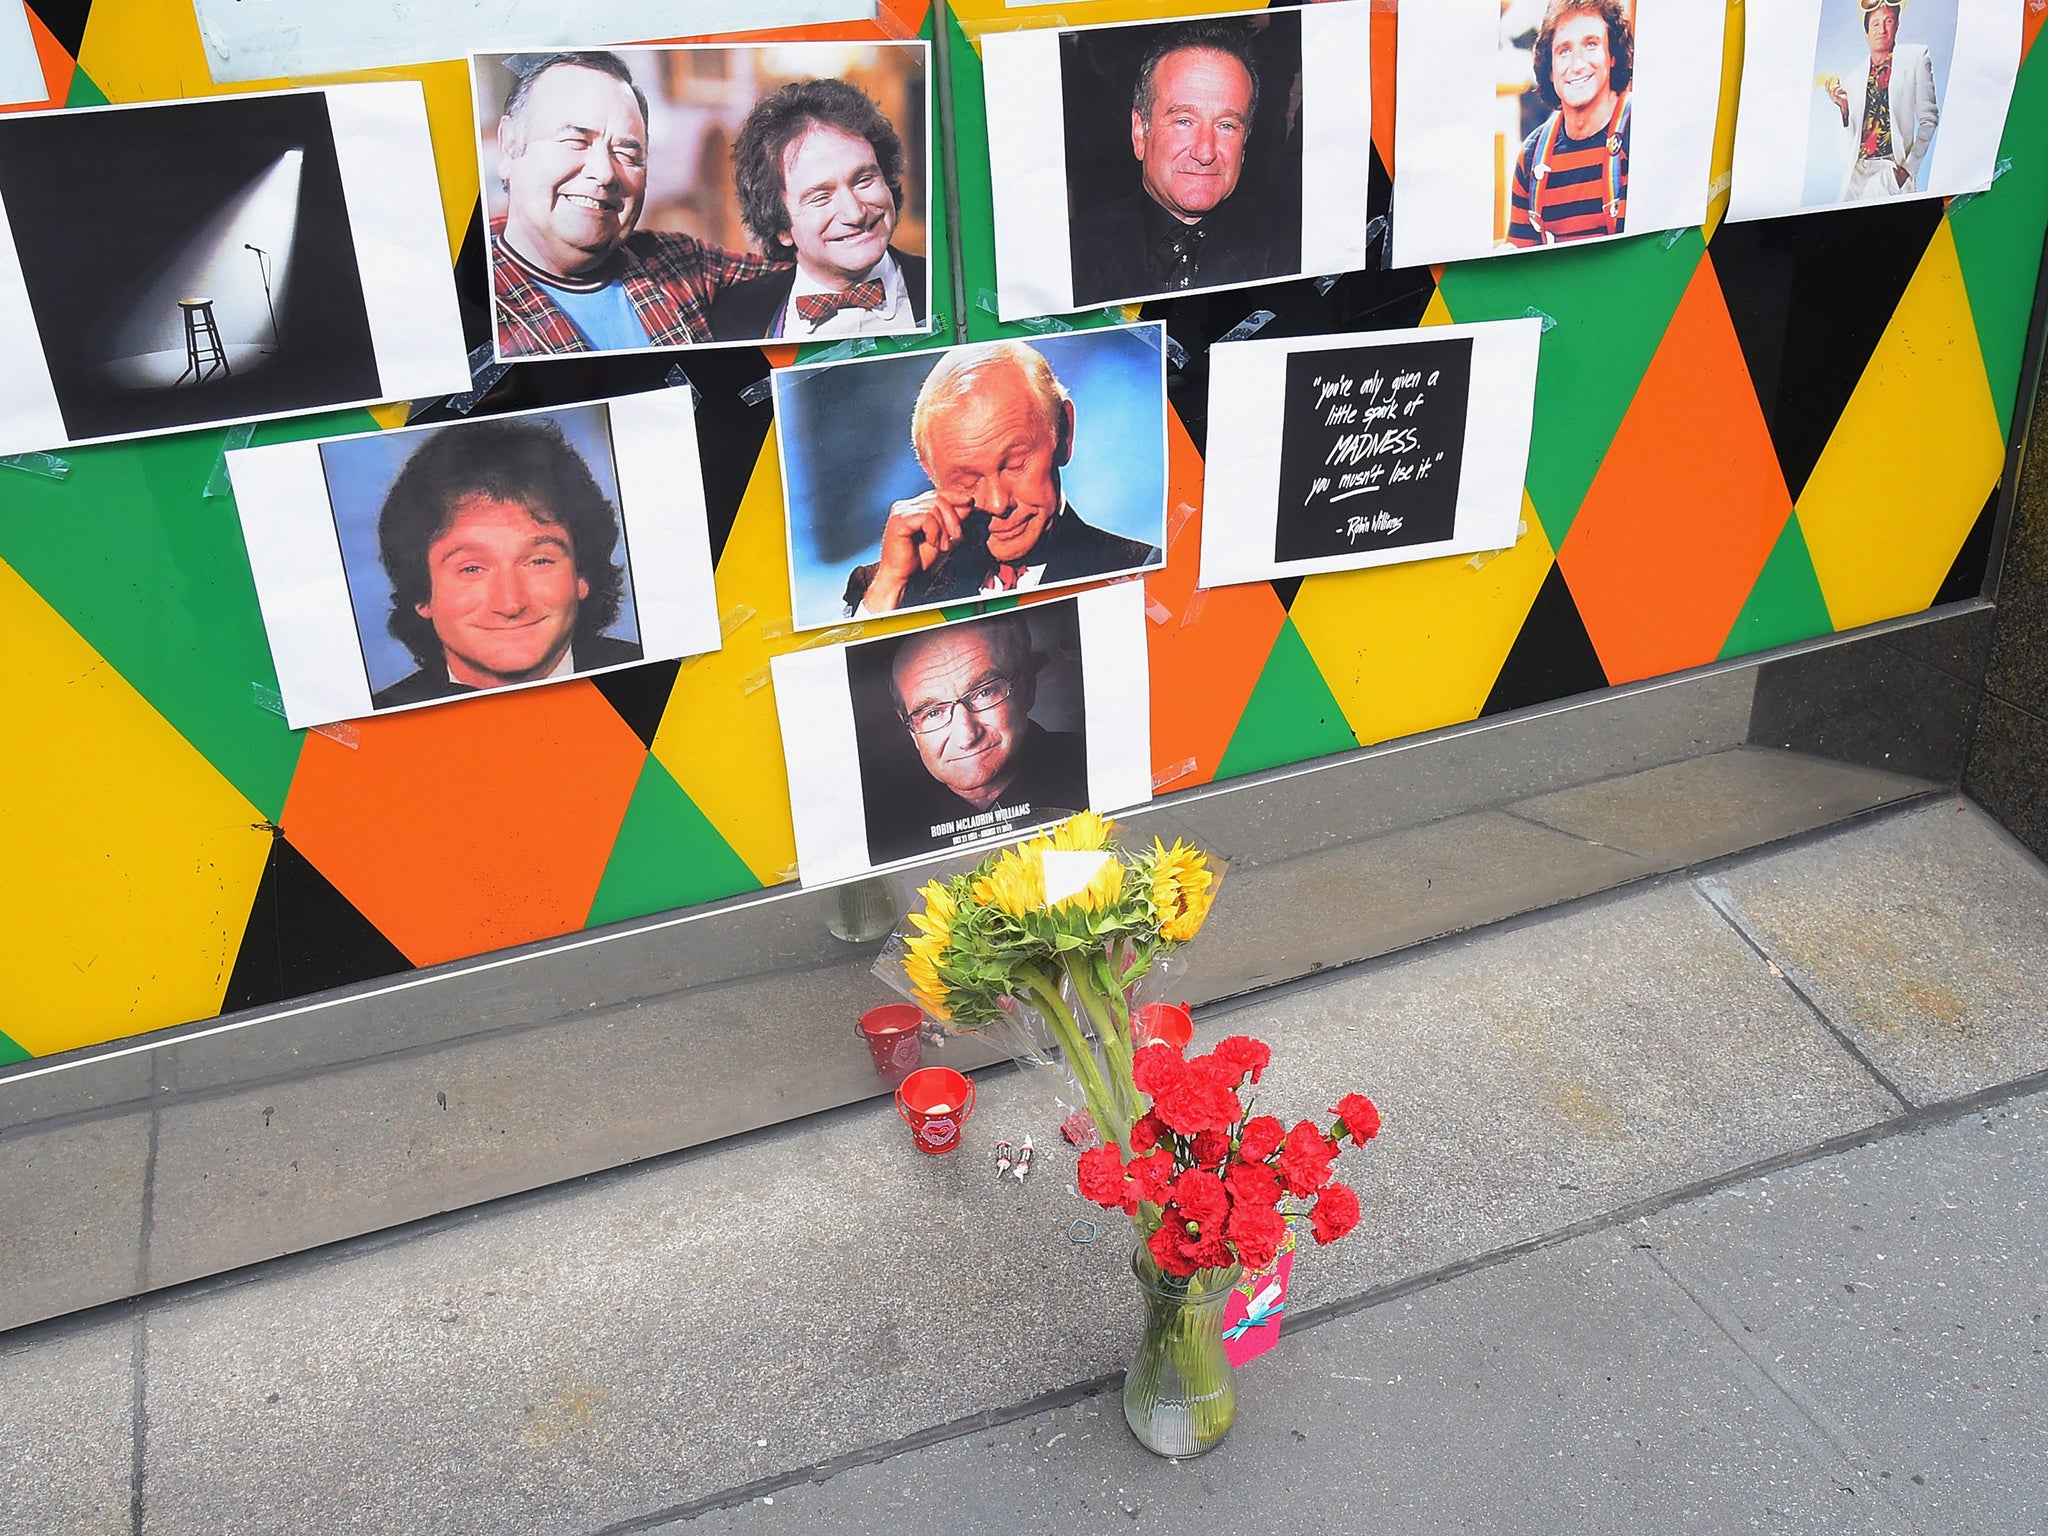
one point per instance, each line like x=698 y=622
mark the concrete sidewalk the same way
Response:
x=1637 y=1152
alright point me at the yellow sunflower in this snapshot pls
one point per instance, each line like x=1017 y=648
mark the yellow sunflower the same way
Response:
x=1015 y=883
x=1102 y=890
x=1183 y=888
x=1083 y=832
x=924 y=951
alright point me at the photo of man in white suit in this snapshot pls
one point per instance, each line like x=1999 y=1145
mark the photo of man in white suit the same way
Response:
x=1890 y=113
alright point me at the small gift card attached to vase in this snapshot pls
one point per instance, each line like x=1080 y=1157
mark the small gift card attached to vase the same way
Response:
x=1252 y=1315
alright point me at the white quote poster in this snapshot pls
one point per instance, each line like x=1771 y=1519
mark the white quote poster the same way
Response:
x=1366 y=449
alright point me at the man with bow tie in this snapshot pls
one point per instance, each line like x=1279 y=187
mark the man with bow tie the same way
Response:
x=819 y=171
x=993 y=427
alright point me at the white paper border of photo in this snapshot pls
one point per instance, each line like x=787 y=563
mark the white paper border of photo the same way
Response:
x=1248 y=389
x=486 y=163
x=1771 y=132
x=21 y=67
x=302 y=588
x=319 y=37
x=783 y=378
x=401 y=241
x=814 y=701
x=1027 y=150
x=1445 y=111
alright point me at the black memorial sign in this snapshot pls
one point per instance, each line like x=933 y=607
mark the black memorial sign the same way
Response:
x=1371 y=446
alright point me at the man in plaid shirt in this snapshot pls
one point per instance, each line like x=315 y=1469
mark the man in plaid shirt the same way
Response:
x=568 y=271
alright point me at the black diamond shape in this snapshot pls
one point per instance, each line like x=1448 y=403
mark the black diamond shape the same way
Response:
x=1553 y=656
x=304 y=936
x=1811 y=297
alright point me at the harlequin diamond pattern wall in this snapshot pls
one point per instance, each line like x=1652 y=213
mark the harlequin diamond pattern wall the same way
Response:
x=1745 y=436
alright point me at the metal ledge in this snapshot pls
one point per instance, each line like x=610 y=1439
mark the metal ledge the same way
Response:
x=201 y=1149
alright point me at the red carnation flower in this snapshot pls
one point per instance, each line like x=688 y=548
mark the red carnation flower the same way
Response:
x=1336 y=1213
x=1196 y=1103
x=1361 y=1118
x=1145 y=1134
x=1151 y=1178
x=1248 y=1056
x=1199 y=1197
x=1166 y=1252
x=1256 y=1232
x=1305 y=1159
x=1156 y=1067
x=1252 y=1184
x=1260 y=1138
x=1101 y=1175
x=1210 y=1148
x=1184 y=1244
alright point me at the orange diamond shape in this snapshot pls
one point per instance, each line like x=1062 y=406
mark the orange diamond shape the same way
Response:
x=1686 y=507
x=473 y=825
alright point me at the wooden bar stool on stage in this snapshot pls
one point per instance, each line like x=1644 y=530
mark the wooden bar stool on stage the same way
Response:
x=203 y=349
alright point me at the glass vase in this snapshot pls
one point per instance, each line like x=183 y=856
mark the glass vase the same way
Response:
x=1180 y=1393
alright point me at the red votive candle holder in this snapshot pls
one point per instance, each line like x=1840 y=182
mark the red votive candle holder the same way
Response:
x=894 y=1039
x=1163 y=1023
x=935 y=1103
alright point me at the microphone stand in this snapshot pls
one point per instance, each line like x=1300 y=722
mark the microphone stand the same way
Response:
x=263 y=266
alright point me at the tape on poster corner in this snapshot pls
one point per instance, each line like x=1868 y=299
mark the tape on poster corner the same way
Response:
x=1250 y=325
x=46 y=465
x=217 y=481
x=483 y=374
x=675 y=378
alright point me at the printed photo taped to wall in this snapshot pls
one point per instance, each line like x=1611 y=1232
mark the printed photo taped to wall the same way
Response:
x=1523 y=124
x=1848 y=102
x=638 y=199
x=959 y=735
x=225 y=259
x=1366 y=449
x=398 y=570
x=1188 y=155
x=938 y=477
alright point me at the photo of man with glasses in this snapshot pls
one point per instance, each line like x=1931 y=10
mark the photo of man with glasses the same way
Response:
x=950 y=750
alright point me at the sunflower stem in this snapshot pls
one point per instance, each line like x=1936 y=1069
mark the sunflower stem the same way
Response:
x=1103 y=1106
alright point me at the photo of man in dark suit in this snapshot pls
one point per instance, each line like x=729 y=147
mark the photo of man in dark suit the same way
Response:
x=993 y=427
x=500 y=548
x=961 y=697
x=1192 y=220
x=819 y=170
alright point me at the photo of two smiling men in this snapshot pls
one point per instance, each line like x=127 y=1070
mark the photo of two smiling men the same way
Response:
x=662 y=197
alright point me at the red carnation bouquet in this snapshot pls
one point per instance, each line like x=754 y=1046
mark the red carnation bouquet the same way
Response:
x=1066 y=925
x=1205 y=1178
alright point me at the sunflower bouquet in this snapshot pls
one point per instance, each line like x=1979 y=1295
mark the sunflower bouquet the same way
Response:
x=1067 y=924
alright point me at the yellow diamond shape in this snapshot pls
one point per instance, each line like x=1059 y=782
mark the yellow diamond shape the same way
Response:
x=1407 y=648
x=1912 y=458
x=135 y=862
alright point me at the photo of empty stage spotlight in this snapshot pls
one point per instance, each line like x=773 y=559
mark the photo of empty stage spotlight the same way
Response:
x=188 y=262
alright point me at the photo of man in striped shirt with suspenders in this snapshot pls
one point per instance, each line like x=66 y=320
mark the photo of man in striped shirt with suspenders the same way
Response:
x=1571 y=179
